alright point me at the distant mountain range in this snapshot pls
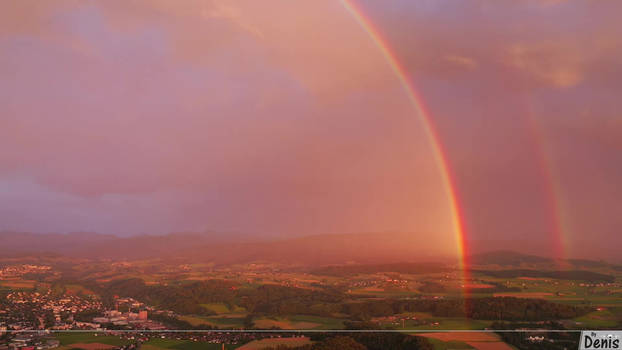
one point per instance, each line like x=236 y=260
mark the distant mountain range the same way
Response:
x=318 y=250
x=406 y=268
x=512 y=258
x=507 y=258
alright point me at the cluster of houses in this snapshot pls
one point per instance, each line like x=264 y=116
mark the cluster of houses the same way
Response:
x=20 y=270
x=22 y=304
x=31 y=341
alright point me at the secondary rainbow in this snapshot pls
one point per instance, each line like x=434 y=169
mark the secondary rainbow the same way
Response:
x=552 y=190
x=439 y=153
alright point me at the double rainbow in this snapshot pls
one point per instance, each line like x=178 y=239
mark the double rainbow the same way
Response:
x=552 y=190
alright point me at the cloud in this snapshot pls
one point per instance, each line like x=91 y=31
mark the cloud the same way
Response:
x=552 y=65
x=180 y=122
x=224 y=10
x=461 y=61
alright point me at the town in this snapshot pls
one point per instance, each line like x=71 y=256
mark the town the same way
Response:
x=51 y=303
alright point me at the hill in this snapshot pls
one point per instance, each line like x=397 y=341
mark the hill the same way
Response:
x=507 y=258
x=324 y=250
x=577 y=275
x=210 y=247
x=233 y=248
x=406 y=268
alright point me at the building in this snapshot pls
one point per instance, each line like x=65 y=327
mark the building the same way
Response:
x=52 y=343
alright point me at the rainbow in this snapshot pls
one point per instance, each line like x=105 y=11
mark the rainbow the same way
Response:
x=440 y=156
x=552 y=190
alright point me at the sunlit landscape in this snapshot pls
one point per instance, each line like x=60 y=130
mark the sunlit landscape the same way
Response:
x=310 y=175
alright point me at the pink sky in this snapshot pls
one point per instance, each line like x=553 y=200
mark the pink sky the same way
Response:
x=283 y=118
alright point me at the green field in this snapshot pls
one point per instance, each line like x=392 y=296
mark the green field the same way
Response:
x=159 y=344
x=384 y=293
x=222 y=308
x=600 y=319
x=450 y=323
x=299 y=322
x=216 y=321
x=426 y=321
x=73 y=338
x=325 y=322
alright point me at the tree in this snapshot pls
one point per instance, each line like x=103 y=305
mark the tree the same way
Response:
x=248 y=322
x=339 y=342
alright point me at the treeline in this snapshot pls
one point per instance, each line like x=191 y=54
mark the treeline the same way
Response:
x=363 y=341
x=175 y=323
x=506 y=308
x=507 y=258
x=408 y=268
x=86 y=315
x=435 y=287
x=279 y=300
x=432 y=287
x=183 y=299
x=282 y=301
x=496 y=288
x=187 y=299
x=580 y=275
